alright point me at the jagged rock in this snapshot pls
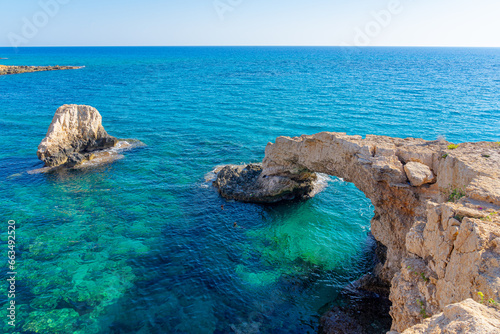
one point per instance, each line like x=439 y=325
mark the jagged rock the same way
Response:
x=418 y=173
x=248 y=184
x=467 y=316
x=75 y=132
x=441 y=238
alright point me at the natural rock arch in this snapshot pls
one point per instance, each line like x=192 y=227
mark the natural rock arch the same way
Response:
x=438 y=251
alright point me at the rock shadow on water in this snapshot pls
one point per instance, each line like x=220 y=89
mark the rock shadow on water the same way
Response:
x=358 y=310
x=363 y=306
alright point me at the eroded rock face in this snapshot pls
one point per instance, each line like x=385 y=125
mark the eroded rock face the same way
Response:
x=249 y=184
x=467 y=316
x=437 y=210
x=75 y=132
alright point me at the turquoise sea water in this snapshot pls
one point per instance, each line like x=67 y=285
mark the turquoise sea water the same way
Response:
x=142 y=245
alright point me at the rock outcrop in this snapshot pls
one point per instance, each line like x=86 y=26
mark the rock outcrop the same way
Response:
x=75 y=133
x=5 y=70
x=249 y=184
x=437 y=211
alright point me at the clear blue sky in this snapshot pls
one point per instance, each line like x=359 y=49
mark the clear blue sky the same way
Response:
x=250 y=22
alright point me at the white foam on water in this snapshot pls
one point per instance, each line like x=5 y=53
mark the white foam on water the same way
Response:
x=212 y=175
x=321 y=183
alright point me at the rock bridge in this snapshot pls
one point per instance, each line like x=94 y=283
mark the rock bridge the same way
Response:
x=437 y=212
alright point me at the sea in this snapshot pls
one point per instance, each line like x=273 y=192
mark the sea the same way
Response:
x=145 y=244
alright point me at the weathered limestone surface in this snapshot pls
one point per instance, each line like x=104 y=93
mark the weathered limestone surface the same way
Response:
x=5 y=70
x=467 y=316
x=75 y=132
x=418 y=173
x=437 y=210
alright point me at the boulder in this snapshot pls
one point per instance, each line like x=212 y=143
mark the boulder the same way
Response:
x=419 y=174
x=75 y=132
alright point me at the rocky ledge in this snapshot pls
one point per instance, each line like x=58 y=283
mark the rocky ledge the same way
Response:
x=75 y=134
x=4 y=70
x=437 y=218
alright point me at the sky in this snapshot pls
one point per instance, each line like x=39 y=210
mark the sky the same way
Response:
x=250 y=22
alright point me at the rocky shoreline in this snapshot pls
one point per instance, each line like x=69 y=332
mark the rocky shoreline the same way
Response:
x=437 y=219
x=6 y=70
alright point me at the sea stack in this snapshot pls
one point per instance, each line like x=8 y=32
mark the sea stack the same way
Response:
x=75 y=132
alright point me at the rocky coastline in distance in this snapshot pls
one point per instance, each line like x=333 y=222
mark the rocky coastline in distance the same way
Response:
x=436 y=222
x=7 y=69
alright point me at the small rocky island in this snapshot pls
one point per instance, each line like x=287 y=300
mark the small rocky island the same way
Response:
x=436 y=221
x=5 y=70
x=76 y=136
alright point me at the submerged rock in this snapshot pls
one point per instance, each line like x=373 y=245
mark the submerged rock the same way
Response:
x=418 y=173
x=249 y=184
x=75 y=132
x=363 y=309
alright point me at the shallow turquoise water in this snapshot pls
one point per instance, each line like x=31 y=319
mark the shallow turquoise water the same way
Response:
x=142 y=245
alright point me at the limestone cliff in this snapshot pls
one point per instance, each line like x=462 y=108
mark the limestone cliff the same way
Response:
x=436 y=205
x=74 y=133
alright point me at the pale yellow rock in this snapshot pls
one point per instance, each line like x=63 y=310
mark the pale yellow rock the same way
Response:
x=418 y=173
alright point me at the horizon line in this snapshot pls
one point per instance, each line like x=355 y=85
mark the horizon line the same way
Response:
x=203 y=46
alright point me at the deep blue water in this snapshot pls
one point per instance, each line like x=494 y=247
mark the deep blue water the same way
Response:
x=142 y=245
